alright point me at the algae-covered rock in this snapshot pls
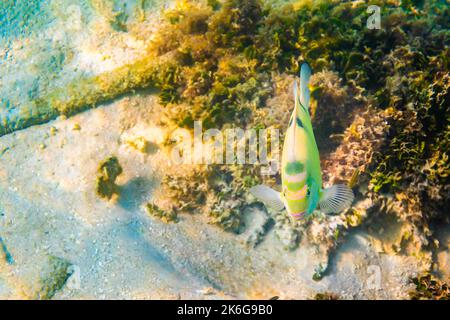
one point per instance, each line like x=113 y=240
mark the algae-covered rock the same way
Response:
x=166 y=216
x=53 y=277
x=108 y=172
x=139 y=143
x=287 y=230
x=429 y=288
x=326 y=296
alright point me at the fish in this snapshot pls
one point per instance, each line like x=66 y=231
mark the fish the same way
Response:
x=301 y=175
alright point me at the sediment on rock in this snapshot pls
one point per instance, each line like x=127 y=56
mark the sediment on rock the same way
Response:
x=85 y=93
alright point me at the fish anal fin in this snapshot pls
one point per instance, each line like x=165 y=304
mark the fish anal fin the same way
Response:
x=268 y=196
x=336 y=199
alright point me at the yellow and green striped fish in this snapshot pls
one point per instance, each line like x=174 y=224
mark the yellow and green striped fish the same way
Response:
x=301 y=175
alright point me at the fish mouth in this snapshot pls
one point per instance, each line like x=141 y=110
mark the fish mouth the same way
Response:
x=298 y=216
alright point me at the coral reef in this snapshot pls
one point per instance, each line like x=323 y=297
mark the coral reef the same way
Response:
x=381 y=98
x=218 y=191
x=106 y=180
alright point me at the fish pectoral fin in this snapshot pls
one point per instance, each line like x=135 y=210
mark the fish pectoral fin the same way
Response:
x=268 y=196
x=336 y=198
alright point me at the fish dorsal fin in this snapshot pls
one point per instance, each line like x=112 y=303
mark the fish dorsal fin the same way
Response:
x=336 y=198
x=305 y=74
x=268 y=196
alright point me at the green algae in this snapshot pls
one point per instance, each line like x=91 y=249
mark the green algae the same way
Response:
x=319 y=272
x=165 y=215
x=108 y=172
x=53 y=278
x=429 y=288
x=218 y=191
x=326 y=296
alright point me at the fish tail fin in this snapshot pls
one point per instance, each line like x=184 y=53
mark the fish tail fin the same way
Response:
x=305 y=74
x=336 y=198
x=295 y=112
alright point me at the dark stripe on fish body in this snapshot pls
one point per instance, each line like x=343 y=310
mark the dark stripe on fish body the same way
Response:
x=303 y=107
x=299 y=122
x=294 y=167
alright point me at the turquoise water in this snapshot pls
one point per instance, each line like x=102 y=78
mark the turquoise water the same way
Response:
x=20 y=18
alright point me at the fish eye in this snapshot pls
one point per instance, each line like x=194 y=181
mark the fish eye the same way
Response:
x=308 y=192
